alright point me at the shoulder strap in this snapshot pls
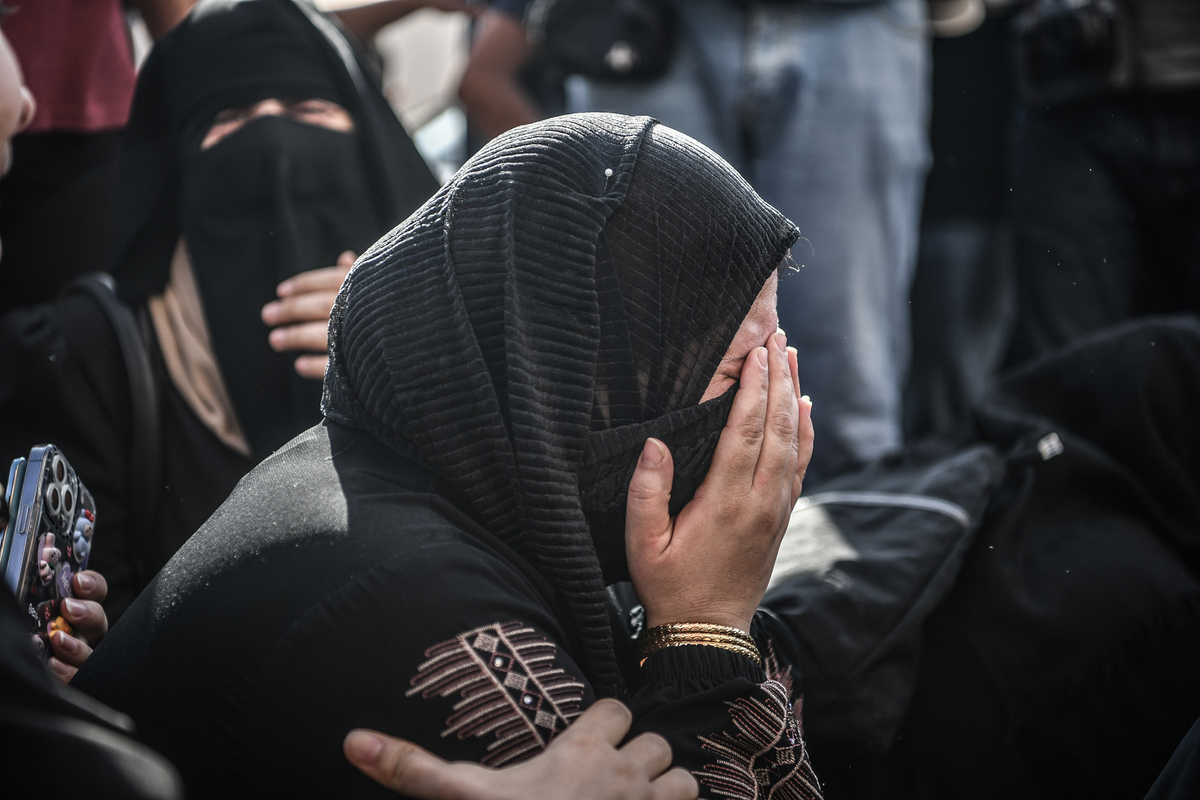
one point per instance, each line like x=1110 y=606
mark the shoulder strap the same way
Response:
x=133 y=332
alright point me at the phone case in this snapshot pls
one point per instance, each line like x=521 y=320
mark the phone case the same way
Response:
x=12 y=494
x=49 y=539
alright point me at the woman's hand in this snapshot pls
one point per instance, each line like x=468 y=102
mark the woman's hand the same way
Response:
x=88 y=621
x=300 y=317
x=582 y=763
x=712 y=563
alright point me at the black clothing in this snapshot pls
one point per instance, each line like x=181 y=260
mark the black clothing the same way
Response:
x=1166 y=43
x=573 y=289
x=73 y=392
x=58 y=742
x=272 y=199
x=1106 y=215
x=962 y=292
x=1181 y=778
x=1063 y=663
x=56 y=206
x=342 y=585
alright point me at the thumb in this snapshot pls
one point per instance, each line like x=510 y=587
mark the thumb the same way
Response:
x=647 y=520
x=346 y=259
x=399 y=765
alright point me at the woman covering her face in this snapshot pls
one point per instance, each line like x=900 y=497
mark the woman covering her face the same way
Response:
x=431 y=561
x=259 y=147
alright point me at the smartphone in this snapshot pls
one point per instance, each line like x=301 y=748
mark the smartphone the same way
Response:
x=52 y=519
x=12 y=493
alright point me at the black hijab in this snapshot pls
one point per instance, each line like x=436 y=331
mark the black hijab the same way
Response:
x=570 y=292
x=275 y=198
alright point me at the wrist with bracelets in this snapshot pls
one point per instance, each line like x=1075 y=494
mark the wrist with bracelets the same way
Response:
x=680 y=634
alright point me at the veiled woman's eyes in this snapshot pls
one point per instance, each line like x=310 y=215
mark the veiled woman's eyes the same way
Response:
x=313 y=111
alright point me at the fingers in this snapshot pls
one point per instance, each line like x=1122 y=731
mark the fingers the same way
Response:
x=647 y=520
x=794 y=366
x=318 y=280
x=310 y=336
x=87 y=618
x=676 y=784
x=777 y=458
x=312 y=367
x=61 y=670
x=89 y=585
x=804 y=432
x=736 y=456
x=607 y=719
x=69 y=652
x=404 y=767
x=806 y=436
x=311 y=306
x=650 y=754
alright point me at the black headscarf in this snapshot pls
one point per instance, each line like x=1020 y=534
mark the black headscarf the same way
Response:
x=569 y=293
x=275 y=198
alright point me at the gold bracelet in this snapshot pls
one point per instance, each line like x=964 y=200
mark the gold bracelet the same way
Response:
x=680 y=634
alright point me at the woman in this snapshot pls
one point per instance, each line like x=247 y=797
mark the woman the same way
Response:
x=529 y=379
x=259 y=150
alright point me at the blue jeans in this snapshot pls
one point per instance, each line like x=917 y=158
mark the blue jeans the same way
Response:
x=823 y=108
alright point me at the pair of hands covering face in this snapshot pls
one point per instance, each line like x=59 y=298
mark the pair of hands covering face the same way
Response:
x=713 y=561
x=300 y=317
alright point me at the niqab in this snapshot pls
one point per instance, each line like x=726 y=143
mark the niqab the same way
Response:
x=274 y=198
x=570 y=292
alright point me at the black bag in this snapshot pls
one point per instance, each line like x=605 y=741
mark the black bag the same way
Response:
x=864 y=562
x=611 y=40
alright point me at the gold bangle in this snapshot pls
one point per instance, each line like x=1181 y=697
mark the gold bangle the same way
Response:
x=680 y=634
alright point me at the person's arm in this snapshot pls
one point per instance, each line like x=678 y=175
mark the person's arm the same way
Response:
x=489 y=87
x=161 y=16
x=711 y=565
x=584 y=763
x=366 y=20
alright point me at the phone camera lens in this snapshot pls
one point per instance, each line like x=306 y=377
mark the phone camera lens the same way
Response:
x=59 y=469
x=54 y=501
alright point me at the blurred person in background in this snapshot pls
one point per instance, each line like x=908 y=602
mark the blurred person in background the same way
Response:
x=508 y=81
x=822 y=107
x=1106 y=175
x=962 y=300
x=56 y=204
x=260 y=150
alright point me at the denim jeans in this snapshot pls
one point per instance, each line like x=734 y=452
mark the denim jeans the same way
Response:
x=823 y=108
x=1106 y=215
x=962 y=309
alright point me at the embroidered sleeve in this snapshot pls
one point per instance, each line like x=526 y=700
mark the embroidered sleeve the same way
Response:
x=730 y=723
x=507 y=687
x=763 y=755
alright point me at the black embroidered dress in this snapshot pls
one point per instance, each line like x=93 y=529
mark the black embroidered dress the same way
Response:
x=431 y=561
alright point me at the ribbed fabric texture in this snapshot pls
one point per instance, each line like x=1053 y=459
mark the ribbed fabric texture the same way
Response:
x=537 y=303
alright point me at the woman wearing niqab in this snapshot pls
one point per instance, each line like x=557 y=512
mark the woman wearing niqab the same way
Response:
x=204 y=236
x=432 y=560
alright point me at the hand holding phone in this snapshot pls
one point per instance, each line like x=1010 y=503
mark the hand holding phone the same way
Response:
x=85 y=614
x=44 y=557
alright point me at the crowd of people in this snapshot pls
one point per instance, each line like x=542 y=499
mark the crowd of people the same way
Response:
x=514 y=486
